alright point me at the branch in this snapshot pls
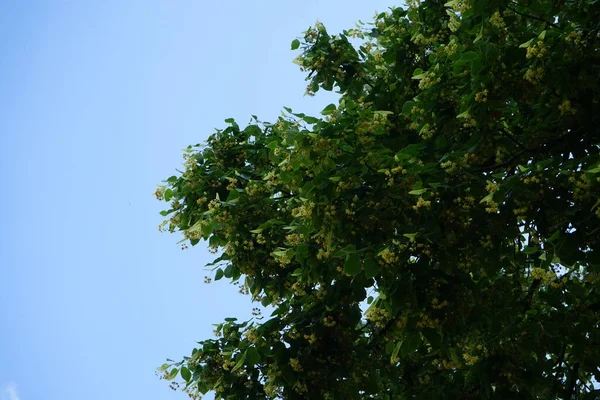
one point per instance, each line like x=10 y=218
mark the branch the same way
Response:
x=530 y=293
x=532 y=17
x=506 y=134
x=572 y=381
x=502 y=164
x=559 y=364
x=544 y=146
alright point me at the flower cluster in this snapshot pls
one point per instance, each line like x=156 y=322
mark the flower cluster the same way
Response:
x=481 y=97
x=421 y=203
x=428 y=80
x=545 y=276
x=377 y=316
x=388 y=256
x=536 y=50
x=305 y=210
x=497 y=21
x=566 y=108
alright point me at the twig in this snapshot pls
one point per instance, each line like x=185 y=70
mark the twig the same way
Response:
x=532 y=17
x=512 y=139
x=502 y=164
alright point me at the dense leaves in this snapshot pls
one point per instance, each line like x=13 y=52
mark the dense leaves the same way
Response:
x=453 y=193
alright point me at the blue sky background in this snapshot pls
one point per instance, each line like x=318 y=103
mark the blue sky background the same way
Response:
x=97 y=99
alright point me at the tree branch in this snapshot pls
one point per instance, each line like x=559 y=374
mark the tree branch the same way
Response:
x=532 y=17
x=556 y=375
x=530 y=293
x=544 y=146
x=506 y=134
x=572 y=381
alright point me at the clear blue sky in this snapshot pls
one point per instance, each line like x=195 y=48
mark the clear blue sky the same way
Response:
x=97 y=99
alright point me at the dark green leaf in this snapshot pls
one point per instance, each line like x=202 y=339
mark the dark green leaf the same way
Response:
x=252 y=356
x=530 y=250
x=389 y=347
x=371 y=267
x=407 y=107
x=352 y=265
x=186 y=374
x=411 y=343
x=311 y=120
x=218 y=274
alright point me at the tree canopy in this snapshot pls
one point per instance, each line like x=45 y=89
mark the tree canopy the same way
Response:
x=434 y=235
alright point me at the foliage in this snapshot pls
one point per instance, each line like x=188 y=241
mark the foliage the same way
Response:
x=454 y=190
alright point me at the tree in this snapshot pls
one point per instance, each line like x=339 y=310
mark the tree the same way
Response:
x=454 y=191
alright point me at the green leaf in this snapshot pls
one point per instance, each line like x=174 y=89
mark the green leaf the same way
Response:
x=311 y=120
x=469 y=55
x=530 y=250
x=295 y=44
x=417 y=72
x=389 y=347
x=352 y=265
x=219 y=274
x=329 y=109
x=349 y=249
x=409 y=151
x=411 y=343
x=172 y=374
x=397 y=348
x=454 y=356
x=266 y=301
x=163 y=367
x=487 y=198
x=407 y=107
x=240 y=363
x=526 y=44
x=371 y=267
x=554 y=236
x=168 y=194
x=418 y=192
x=186 y=374
x=252 y=356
